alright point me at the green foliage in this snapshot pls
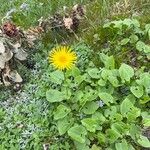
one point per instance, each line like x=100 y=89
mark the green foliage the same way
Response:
x=104 y=124
x=102 y=103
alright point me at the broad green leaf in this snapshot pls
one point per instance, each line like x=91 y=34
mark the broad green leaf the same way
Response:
x=94 y=73
x=90 y=124
x=61 y=112
x=81 y=146
x=101 y=138
x=73 y=72
x=78 y=95
x=105 y=74
x=106 y=89
x=144 y=80
x=134 y=131
x=78 y=133
x=133 y=114
x=124 y=41
x=146 y=122
x=64 y=124
x=126 y=72
x=126 y=106
x=143 y=141
x=54 y=96
x=101 y=82
x=108 y=61
x=106 y=98
x=112 y=135
x=79 y=79
x=133 y=38
x=116 y=117
x=57 y=77
x=137 y=91
x=90 y=107
x=99 y=117
x=122 y=146
x=140 y=46
x=110 y=112
x=147 y=49
x=119 y=127
x=113 y=80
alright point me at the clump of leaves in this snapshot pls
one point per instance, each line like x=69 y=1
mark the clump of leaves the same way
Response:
x=126 y=39
x=102 y=107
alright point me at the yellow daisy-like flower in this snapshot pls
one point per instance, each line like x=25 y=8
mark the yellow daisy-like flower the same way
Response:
x=62 y=57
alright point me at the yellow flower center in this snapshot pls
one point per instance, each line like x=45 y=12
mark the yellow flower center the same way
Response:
x=62 y=59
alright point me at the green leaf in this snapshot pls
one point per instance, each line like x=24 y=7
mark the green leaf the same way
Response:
x=57 y=77
x=101 y=82
x=144 y=80
x=124 y=41
x=81 y=146
x=133 y=114
x=117 y=117
x=105 y=74
x=64 y=124
x=140 y=46
x=78 y=133
x=110 y=112
x=79 y=79
x=143 y=141
x=133 y=38
x=113 y=80
x=137 y=91
x=125 y=106
x=126 y=72
x=112 y=135
x=54 y=96
x=90 y=124
x=94 y=73
x=99 y=117
x=101 y=138
x=90 y=107
x=147 y=49
x=134 y=131
x=73 y=72
x=78 y=96
x=122 y=146
x=146 y=122
x=106 y=98
x=108 y=61
x=61 y=112
x=119 y=127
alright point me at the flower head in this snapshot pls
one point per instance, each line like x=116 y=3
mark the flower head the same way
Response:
x=62 y=57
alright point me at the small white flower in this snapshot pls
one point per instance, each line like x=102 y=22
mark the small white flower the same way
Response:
x=24 y=6
x=100 y=103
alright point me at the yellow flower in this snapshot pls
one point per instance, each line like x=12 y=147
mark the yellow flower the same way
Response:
x=62 y=57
